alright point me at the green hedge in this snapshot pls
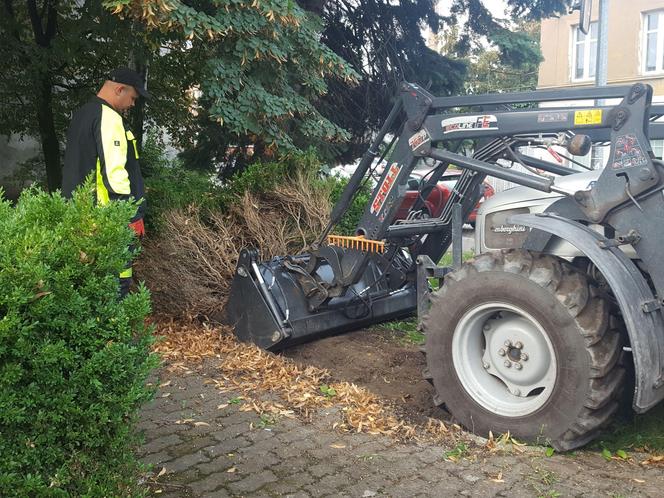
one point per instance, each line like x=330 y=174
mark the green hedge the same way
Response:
x=73 y=356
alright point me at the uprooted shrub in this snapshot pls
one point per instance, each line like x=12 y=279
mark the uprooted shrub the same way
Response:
x=73 y=356
x=198 y=227
x=190 y=266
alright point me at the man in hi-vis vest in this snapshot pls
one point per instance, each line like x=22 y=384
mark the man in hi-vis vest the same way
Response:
x=98 y=140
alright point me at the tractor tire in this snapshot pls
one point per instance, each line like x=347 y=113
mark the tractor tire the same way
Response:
x=520 y=342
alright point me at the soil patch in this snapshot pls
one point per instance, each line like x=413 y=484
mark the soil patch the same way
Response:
x=380 y=360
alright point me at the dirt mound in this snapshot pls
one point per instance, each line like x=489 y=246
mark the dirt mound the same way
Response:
x=380 y=361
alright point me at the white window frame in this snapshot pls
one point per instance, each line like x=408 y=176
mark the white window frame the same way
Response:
x=587 y=42
x=659 y=52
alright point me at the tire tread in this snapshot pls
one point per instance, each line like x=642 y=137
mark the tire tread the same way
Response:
x=590 y=311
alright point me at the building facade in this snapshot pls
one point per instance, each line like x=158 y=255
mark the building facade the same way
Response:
x=635 y=47
x=635 y=53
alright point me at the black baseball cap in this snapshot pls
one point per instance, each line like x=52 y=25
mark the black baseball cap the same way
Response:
x=130 y=77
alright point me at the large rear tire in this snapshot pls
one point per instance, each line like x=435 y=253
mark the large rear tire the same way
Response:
x=520 y=342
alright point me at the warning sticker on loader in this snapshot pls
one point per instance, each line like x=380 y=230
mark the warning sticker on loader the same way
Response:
x=470 y=123
x=385 y=188
x=588 y=117
x=628 y=153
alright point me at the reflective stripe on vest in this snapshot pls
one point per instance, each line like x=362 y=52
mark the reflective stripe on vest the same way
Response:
x=114 y=147
x=131 y=138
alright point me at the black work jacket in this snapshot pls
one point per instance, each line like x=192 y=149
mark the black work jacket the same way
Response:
x=98 y=140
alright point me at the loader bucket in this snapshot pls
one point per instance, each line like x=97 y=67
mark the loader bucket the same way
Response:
x=268 y=308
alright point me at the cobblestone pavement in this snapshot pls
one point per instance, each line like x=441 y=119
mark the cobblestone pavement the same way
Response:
x=211 y=451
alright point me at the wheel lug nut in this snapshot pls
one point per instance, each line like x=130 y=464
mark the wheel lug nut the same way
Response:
x=516 y=392
x=507 y=363
x=502 y=352
x=487 y=326
x=485 y=365
x=508 y=343
x=524 y=356
x=518 y=345
x=518 y=366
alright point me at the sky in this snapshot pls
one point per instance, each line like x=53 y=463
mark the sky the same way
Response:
x=497 y=7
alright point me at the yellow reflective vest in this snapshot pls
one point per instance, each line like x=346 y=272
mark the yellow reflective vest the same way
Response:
x=99 y=141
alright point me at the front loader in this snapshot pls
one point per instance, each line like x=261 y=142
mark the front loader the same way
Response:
x=517 y=340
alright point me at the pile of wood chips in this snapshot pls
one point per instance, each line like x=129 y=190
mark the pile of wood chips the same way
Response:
x=301 y=390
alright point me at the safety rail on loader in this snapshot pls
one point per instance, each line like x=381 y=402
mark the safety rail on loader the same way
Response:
x=486 y=385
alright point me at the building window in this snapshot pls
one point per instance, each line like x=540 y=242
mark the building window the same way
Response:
x=584 y=53
x=653 y=42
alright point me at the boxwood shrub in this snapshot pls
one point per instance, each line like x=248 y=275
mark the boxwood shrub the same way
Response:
x=74 y=357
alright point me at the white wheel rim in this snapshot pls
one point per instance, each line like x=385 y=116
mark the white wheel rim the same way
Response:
x=504 y=359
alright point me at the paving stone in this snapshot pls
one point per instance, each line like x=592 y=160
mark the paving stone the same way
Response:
x=211 y=482
x=159 y=444
x=156 y=458
x=330 y=484
x=322 y=469
x=188 y=461
x=190 y=445
x=284 y=487
x=165 y=429
x=253 y=482
x=300 y=459
x=220 y=465
x=256 y=463
x=225 y=447
x=298 y=449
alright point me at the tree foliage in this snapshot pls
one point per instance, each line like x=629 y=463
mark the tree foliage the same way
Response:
x=486 y=71
x=57 y=53
x=384 y=41
x=240 y=76
x=265 y=69
x=47 y=48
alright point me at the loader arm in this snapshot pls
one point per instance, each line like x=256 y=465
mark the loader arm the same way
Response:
x=372 y=277
x=438 y=127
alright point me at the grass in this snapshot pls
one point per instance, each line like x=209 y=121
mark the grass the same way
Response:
x=405 y=331
x=635 y=432
x=446 y=260
x=459 y=451
x=542 y=481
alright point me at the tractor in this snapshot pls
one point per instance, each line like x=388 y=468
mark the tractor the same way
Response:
x=556 y=319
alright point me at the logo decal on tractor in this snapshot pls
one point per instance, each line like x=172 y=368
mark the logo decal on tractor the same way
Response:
x=552 y=117
x=419 y=138
x=470 y=123
x=509 y=229
x=385 y=188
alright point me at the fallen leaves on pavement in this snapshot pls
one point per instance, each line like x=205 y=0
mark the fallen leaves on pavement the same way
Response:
x=302 y=390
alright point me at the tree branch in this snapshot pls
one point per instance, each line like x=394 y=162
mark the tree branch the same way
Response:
x=51 y=23
x=35 y=20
